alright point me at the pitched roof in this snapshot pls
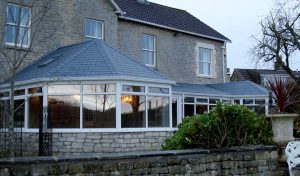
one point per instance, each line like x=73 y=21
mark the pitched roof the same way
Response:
x=254 y=75
x=92 y=59
x=166 y=17
x=242 y=88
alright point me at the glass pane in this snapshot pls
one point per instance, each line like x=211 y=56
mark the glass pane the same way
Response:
x=35 y=111
x=205 y=55
x=174 y=112
x=151 y=57
x=19 y=92
x=202 y=100
x=23 y=36
x=88 y=28
x=128 y=88
x=189 y=99
x=213 y=101
x=25 y=16
x=100 y=88
x=151 y=42
x=188 y=110
x=4 y=94
x=145 y=57
x=10 y=31
x=64 y=89
x=201 y=109
x=237 y=101
x=35 y=90
x=64 y=111
x=158 y=112
x=143 y=42
x=158 y=90
x=133 y=112
x=99 y=111
x=260 y=101
x=12 y=16
x=226 y=101
x=19 y=113
x=4 y=106
x=247 y=101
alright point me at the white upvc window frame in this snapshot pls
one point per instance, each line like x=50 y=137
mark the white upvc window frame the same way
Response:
x=212 y=63
x=94 y=21
x=15 y=43
x=149 y=50
x=118 y=93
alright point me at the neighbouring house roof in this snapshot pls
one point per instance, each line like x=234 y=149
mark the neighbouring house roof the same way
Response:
x=166 y=17
x=89 y=60
x=232 y=89
x=254 y=75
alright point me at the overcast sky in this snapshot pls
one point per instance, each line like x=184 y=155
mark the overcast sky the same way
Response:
x=236 y=19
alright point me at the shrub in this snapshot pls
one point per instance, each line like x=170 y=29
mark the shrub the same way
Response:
x=225 y=126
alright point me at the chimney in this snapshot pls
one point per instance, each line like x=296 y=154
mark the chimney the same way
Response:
x=143 y=2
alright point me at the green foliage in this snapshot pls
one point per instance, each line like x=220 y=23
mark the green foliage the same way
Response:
x=225 y=126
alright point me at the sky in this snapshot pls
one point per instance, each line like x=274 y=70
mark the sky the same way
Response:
x=238 y=20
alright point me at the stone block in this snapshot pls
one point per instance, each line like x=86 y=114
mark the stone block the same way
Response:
x=159 y=170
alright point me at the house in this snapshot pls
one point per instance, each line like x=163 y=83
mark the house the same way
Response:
x=119 y=75
x=259 y=76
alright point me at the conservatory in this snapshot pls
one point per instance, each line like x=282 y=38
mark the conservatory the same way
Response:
x=99 y=100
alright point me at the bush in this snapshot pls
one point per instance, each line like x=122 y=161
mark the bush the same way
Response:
x=225 y=126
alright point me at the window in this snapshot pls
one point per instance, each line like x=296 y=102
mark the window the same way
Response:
x=148 y=50
x=133 y=111
x=17 y=25
x=205 y=61
x=94 y=29
x=99 y=106
x=64 y=105
x=158 y=111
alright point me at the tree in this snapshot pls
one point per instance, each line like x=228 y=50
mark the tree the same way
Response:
x=23 y=27
x=280 y=39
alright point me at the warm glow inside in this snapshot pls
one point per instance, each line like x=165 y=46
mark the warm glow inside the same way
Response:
x=126 y=99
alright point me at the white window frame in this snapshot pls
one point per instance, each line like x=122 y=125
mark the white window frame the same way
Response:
x=212 y=63
x=149 y=50
x=117 y=94
x=16 y=25
x=96 y=21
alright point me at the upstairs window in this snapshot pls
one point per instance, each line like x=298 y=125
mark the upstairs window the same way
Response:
x=94 y=29
x=148 y=50
x=205 y=61
x=17 y=26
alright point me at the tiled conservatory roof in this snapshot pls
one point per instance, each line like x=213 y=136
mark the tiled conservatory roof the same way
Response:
x=89 y=59
x=242 y=88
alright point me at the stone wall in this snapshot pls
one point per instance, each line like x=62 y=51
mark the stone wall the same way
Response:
x=91 y=143
x=176 y=55
x=239 y=161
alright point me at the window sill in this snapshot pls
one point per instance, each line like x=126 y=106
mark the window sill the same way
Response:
x=205 y=76
x=107 y=130
x=11 y=47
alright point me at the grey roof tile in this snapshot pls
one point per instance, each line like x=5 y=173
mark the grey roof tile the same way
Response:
x=92 y=58
x=242 y=88
x=168 y=17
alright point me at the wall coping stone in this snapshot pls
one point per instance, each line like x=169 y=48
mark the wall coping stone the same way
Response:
x=130 y=155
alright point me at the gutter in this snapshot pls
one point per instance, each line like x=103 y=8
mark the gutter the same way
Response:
x=106 y=78
x=173 y=29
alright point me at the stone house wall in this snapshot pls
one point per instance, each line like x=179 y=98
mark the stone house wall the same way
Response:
x=262 y=160
x=64 y=25
x=176 y=53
